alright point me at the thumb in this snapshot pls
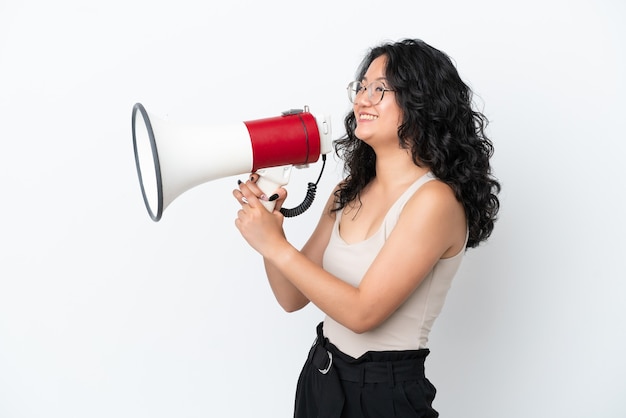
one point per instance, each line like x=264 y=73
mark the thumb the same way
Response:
x=279 y=197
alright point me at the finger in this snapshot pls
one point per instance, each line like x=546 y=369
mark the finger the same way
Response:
x=238 y=221
x=281 y=195
x=249 y=196
x=251 y=184
x=240 y=197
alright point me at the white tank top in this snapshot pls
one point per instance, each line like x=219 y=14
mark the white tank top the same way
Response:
x=408 y=327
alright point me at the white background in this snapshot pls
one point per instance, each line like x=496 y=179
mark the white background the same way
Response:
x=104 y=313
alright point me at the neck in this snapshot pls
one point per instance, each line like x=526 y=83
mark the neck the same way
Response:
x=396 y=167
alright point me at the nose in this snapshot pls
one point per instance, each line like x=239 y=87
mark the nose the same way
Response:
x=363 y=97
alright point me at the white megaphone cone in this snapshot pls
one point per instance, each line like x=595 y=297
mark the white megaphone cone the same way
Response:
x=172 y=159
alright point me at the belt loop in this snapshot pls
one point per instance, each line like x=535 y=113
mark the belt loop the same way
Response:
x=390 y=374
x=362 y=375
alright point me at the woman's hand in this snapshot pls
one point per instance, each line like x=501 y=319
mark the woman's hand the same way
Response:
x=262 y=229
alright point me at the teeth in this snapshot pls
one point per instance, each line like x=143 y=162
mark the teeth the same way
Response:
x=368 y=117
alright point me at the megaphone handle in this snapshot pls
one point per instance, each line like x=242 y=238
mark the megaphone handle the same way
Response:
x=270 y=180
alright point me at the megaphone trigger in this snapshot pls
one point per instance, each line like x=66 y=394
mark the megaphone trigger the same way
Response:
x=270 y=179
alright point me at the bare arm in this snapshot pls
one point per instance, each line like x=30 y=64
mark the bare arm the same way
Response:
x=431 y=226
x=288 y=295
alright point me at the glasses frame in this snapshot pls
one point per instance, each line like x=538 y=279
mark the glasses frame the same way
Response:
x=350 y=89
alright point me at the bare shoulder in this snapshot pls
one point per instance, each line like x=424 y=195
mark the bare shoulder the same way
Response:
x=434 y=210
x=436 y=193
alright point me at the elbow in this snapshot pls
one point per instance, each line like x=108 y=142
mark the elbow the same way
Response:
x=363 y=324
x=365 y=315
x=360 y=329
x=292 y=307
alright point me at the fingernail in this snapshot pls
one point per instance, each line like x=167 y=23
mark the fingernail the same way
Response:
x=239 y=182
x=273 y=197
x=263 y=197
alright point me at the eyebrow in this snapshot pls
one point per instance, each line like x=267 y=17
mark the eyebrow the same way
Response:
x=376 y=79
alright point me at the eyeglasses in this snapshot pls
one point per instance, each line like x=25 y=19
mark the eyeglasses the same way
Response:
x=375 y=91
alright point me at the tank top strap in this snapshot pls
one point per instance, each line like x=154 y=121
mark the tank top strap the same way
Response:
x=394 y=212
x=398 y=205
x=409 y=192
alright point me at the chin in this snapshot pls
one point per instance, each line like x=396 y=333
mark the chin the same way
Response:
x=363 y=136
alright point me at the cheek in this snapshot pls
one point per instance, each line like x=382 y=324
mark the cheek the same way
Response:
x=393 y=112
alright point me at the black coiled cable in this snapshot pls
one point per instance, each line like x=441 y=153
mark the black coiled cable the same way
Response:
x=308 y=199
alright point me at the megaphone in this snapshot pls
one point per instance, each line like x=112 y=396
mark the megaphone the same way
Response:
x=173 y=158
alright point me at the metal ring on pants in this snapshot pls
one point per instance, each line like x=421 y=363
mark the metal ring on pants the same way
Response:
x=328 y=373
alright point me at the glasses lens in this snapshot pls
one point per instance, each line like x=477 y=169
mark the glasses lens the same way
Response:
x=353 y=90
x=376 y=91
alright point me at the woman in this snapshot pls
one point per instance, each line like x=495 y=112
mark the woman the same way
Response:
x=418 y=192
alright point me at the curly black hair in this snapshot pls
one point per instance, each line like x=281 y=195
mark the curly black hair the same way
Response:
x=439 y=127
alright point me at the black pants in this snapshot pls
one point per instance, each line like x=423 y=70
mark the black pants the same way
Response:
x=383 y=384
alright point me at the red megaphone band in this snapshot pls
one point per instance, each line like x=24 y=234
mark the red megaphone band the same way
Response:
x=291 y=139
